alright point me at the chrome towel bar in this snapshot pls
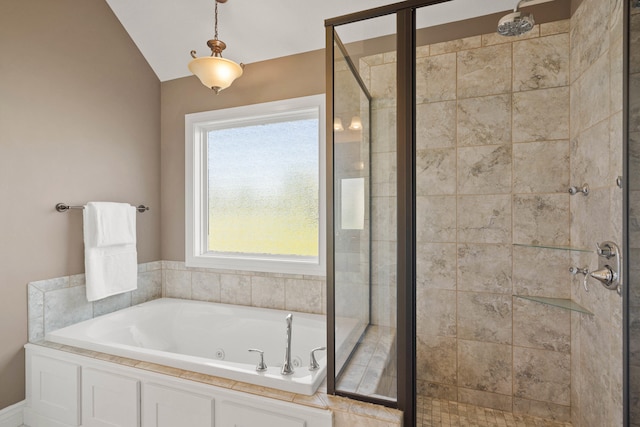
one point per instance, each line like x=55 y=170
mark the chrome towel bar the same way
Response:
x=63 y=207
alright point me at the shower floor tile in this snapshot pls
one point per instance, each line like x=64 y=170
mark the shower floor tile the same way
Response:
x=444 y=413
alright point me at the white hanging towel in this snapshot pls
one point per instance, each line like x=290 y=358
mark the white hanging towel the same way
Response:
x=110 y=256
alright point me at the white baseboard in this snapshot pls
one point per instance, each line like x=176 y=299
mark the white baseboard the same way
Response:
x=12 y=416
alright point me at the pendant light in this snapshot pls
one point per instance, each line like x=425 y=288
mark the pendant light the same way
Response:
x=215 y=72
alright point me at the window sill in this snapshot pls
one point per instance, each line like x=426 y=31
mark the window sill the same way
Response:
x=263 y=265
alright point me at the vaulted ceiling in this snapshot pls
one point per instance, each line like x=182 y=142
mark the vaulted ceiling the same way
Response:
x=166 y=31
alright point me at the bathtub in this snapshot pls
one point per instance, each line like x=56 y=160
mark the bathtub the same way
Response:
x=212 y=339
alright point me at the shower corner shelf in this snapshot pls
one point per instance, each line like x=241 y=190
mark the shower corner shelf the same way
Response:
x=564 y=303
x=559 y=248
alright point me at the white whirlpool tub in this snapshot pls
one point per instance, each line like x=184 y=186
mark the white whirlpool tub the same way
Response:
x=211 y=339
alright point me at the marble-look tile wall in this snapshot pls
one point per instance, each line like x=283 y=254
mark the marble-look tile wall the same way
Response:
x=596 y=159
x=56 y=303
x=634 y=218
x=294 y=292
x=492 y=170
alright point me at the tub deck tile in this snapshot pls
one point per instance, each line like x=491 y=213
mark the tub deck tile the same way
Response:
x=314 y=401
x=50 y=344
x=208 y=379
x=126 y=361
x=336 y=403
x=80 y=351
x=264 y=391
x=161 y=369
x=117 y=359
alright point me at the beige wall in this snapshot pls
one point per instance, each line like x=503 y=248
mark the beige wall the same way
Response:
x=79 y=121
x=282 y=78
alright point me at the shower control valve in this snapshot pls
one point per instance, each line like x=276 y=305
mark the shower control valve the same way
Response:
x=578 y=270
x=604 y=276
x=609 y=272
x=606 y=250
x=585 y=271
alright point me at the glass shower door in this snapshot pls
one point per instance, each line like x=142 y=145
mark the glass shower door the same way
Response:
x=365 y=227
x=351 y=213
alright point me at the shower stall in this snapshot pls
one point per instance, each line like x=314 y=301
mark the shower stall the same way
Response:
x=451 y=230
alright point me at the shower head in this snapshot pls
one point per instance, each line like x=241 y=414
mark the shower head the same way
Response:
x=518 y=23
x=515 y=24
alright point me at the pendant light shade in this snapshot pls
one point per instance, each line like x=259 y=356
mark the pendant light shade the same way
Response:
x=215 y=72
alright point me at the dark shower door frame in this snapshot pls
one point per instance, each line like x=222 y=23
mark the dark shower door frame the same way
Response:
x=626 y=197
x=406 y=201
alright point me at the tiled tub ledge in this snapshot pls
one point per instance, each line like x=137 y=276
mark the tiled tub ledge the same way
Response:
x=346 y=412
x=61 y=301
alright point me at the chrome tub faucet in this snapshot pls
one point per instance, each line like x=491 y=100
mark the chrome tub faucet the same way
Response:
x=287 y=367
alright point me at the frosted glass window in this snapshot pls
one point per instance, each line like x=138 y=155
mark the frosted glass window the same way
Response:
x=255 y=187
x=263 y=188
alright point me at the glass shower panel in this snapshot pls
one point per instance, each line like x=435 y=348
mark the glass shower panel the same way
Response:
x=352 y=208
x=365 y=207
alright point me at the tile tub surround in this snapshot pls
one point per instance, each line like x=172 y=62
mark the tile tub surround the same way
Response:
x=59 y=302
x=346 y=412
x=294 y=292
x=56 y=303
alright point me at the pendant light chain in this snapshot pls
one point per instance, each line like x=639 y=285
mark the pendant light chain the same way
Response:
x=215 y=36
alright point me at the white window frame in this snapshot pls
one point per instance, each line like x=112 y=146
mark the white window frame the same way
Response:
x=196 y=196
